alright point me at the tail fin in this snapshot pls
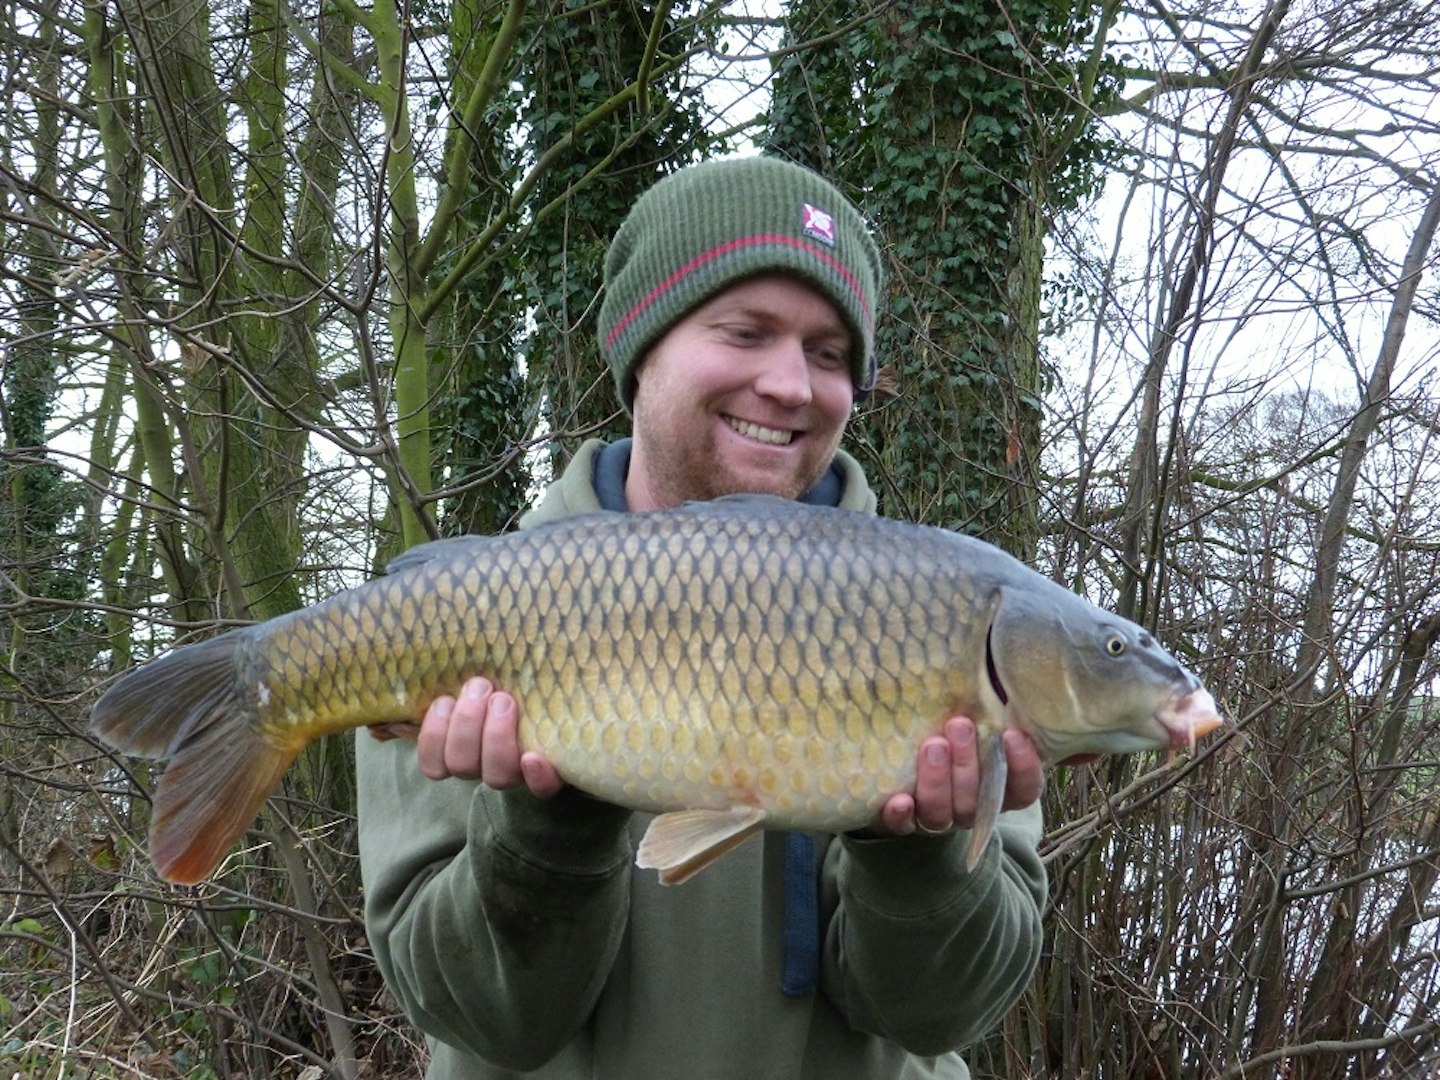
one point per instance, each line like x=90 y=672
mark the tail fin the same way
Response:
x=191 y=707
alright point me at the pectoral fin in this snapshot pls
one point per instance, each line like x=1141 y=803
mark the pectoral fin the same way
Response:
x=993 y=772
x=682 y=843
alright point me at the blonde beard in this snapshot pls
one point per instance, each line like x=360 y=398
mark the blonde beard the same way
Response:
x=692 y=474
x=679 y=482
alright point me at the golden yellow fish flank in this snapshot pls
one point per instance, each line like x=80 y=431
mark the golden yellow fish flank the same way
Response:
x=733 y=665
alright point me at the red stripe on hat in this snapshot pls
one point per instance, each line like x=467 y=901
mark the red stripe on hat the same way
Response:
x=724 y=249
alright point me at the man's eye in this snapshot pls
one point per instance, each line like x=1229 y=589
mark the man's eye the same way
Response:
x=742 y=333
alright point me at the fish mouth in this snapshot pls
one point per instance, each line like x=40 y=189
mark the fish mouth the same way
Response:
x=760 y=433
x=1187 y=716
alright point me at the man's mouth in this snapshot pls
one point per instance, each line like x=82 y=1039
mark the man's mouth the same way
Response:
x=773 y=436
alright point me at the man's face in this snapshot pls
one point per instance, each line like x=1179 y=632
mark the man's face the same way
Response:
x=748 y=393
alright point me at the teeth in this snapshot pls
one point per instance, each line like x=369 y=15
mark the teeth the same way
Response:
x=762 y=434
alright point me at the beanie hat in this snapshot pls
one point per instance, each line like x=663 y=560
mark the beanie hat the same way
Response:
x=706 y=227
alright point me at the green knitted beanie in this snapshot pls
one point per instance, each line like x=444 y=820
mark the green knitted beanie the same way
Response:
x=708 y=226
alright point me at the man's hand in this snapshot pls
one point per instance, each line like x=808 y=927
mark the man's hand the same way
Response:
x=476 y=737
x=947 y=781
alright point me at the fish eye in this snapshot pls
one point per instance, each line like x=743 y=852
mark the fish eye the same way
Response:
x=1116 y=645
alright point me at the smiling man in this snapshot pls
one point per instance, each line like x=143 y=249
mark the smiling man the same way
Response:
x=504 y=908
x=749 y=392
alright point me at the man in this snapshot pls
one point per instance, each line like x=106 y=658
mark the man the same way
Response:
x=504 y=908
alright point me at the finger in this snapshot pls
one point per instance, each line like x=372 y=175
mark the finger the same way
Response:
x=463 y=739
x=1026 y=779
x=897 y=816
x=540 y=776
x=500 y=753
x=430 y=743
x=964 y=768
x=934 y=803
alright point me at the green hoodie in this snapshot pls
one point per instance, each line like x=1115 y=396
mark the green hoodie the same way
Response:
x=517 y=934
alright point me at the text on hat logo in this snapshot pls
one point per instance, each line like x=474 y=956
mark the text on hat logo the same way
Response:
x=819 y=225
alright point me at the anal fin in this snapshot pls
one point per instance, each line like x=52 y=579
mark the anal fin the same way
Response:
x=994 y=770
x=395 y=729
x=682 y=843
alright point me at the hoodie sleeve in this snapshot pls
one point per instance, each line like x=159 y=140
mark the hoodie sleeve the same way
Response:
x=495 y=917
x=921 y=951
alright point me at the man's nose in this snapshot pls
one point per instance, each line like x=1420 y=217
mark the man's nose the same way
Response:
x=785 y=376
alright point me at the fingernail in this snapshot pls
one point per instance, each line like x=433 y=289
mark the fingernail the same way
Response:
x=935 y=754
x=442 y=707
x=474 y=689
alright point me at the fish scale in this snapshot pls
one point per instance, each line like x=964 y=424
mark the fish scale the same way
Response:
x=744 y=663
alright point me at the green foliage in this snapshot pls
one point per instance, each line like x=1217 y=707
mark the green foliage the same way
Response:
x=518 y=351
x=579 y=60
x=38 y=507
x=480 y=390
x=485 y=407
x=967 y=136
x=811 y=119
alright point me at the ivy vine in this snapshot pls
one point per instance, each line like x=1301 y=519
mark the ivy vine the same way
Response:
x=958 y=126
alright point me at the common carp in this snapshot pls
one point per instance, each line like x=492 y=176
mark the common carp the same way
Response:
x=730 y=665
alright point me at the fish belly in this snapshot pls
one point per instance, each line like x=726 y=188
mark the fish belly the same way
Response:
x=662 y=664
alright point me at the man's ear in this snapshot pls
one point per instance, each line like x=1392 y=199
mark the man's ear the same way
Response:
x=634 y=381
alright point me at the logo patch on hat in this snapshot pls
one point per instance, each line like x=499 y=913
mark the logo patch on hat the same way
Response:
x=819 y=225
